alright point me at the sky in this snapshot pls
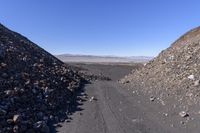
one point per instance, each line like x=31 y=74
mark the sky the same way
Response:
x=101 y=27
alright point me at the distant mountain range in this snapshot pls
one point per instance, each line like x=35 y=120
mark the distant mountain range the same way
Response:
x=106 y=59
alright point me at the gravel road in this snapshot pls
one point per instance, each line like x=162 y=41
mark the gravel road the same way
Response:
x=111 y=107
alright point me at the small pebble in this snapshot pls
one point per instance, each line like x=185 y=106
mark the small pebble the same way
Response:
x=183 y=114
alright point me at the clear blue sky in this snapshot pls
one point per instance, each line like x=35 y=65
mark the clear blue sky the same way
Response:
x=101 y=27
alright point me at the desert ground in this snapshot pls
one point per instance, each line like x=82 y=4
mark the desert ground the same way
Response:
x=112 y=107
x=41 y=94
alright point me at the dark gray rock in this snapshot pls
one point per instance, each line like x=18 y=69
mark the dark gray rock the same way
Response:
x=34 y=84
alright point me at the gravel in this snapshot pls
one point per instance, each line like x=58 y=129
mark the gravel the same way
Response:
x=183 y=114
x=173 y=78
x=174 y=73
x=35 y=87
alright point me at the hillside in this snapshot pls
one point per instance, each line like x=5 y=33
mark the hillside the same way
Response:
x=175 y=72
x=35 y=87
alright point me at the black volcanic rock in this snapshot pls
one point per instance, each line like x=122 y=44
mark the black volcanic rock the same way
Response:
x=35 y=87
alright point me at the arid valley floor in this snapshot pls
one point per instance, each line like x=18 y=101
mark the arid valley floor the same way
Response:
x=42 y=94
x=112 y=107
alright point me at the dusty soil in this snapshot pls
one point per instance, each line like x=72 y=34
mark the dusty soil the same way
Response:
x=111 y=107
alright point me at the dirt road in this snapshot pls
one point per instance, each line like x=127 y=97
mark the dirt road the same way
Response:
x=110 y=107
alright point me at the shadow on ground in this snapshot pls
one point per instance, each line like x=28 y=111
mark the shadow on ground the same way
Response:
x=74 y=106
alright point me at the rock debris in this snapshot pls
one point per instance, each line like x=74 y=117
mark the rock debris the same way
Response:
x=35 y=87
x=174 y=72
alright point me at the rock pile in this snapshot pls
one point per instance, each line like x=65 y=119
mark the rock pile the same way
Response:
x=35 y=87
x=175 y=72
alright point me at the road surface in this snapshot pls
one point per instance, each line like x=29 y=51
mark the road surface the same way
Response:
x=111 y=107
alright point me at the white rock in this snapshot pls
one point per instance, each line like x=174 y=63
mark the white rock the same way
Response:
x=91 y=99
x=196 y=83
x=16 y=118
x=171 y=58
x=191 y=77
x=163 y=103
x=152 y=98
x=134 y=120
x=183 y=114
x=189 y=94
x=165 y=114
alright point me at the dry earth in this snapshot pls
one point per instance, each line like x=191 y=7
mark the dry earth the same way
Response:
x=112 y=107
x=38 y=90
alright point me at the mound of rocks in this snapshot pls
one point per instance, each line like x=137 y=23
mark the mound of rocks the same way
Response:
x=175 y=72
x=35 y=87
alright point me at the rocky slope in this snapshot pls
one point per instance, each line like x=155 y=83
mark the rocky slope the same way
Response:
x=35 y=87
x=174 y=73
